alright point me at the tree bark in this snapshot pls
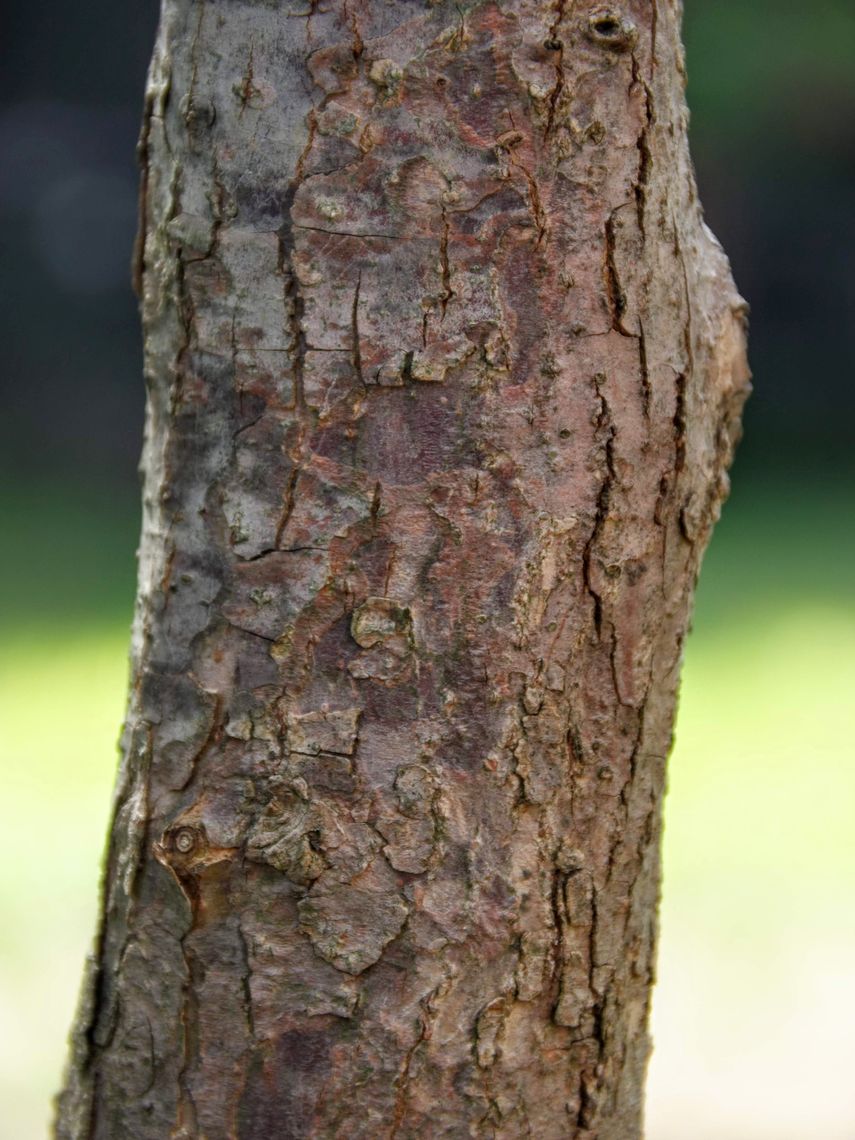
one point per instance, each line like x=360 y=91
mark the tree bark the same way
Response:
x=444 y=375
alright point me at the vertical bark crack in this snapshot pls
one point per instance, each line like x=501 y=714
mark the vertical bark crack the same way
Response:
x=556 y=44
x=605 y=431
x=356 y=353
x=614 y=290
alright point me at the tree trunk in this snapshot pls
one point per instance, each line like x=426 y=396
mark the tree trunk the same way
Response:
x=444 y=375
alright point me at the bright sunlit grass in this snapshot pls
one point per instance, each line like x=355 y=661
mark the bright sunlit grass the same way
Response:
x=754 y=1013
x=60 y=713
x=764 y=747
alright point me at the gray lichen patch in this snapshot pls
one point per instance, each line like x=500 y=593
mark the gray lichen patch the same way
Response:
x=193 y=232
x=415 y=788
x=488 y=1031
x=536 y=948
x=282 y=836
x=384 y=631
x=411 y=830
x=333 y=730
x=325 y=772
x=410 y=843
x=386 y=76
x=351 y=923
x=378 y=620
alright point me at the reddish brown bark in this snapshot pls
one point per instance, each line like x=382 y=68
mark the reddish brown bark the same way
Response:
x=444 y=377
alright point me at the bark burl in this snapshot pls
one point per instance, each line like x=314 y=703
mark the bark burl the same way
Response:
x=444 y=375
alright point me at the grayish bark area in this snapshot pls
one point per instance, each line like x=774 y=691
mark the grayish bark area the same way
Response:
x=444 y=375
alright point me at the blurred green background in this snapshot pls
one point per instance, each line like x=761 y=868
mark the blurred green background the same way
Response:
x=754 y=1014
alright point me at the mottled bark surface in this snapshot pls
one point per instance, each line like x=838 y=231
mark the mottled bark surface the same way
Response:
x=444 y=375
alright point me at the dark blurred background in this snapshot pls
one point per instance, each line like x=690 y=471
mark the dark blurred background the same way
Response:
x=772 y=92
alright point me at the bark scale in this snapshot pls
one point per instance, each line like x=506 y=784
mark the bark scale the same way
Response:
x=444 y=375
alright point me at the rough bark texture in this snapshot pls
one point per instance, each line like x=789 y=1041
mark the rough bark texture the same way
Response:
x=444 y=375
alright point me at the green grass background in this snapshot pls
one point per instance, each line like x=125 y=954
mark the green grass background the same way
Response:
x=753 y=1014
